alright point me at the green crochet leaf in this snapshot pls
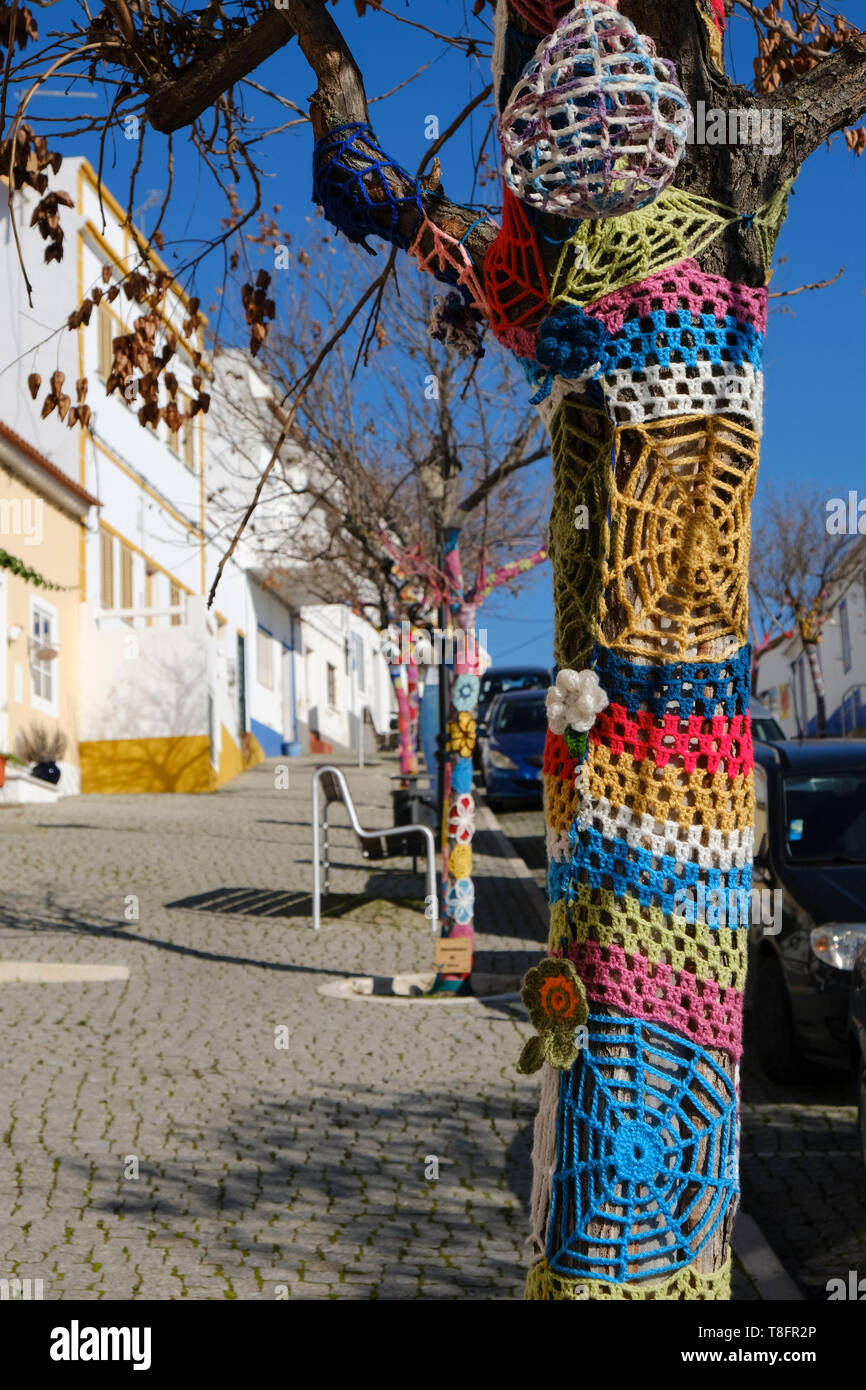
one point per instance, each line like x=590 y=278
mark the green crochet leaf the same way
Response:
x=576 y=743
x=532 y=1056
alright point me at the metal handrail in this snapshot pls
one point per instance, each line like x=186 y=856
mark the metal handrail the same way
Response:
x=320 y=837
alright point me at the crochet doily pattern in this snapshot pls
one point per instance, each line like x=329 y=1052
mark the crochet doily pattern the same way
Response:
x=653 y=1172
x=545 y=1285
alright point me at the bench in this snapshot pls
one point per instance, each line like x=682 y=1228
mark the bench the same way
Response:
x=329 y=785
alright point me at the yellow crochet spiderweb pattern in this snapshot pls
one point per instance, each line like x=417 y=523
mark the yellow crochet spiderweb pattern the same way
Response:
x=610 y=252
x=676 y=574
x=544 y=1285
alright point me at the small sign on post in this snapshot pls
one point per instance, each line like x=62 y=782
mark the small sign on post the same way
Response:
x=453 y=954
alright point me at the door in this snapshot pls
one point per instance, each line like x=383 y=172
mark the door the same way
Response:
x=290 y=733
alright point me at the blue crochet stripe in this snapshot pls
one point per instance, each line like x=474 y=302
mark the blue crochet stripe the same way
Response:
x=646 y=1143
x=676 y=886
x=341 y=188
x=706 y=688
x=678 y=336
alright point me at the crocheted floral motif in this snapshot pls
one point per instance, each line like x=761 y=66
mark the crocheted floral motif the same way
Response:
x=460 y=901
x=460 y=861
x=575 y=701
x=461 y=735
x=464 y=695
x=571 y=343
x=461 y=776
x=461 y=819
x=556 y=999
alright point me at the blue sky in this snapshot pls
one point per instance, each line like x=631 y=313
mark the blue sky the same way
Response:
x=814 y=354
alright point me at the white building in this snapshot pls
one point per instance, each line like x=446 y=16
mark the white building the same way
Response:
x=173 y=697
x=784 y=680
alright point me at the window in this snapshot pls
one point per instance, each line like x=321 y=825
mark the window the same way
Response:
x=264 y=659
x=43 y=667
x=106 y=543
x=149 y=590
x=105 y=333
x=188 y=431
x=332 y=686
x=125 y=576
x=174 y=602
x=845 y=633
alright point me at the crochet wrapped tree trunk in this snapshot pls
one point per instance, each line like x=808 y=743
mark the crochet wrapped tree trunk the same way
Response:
x=629 y=275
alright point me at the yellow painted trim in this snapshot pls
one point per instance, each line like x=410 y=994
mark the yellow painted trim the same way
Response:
x=109 y=453
x=133 y=766
x=112 y=531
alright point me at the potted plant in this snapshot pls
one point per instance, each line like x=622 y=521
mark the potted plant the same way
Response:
x=42 y=747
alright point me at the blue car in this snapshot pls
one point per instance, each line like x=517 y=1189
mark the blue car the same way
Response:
x=512 y=747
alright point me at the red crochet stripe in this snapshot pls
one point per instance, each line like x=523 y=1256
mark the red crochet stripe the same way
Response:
x=718 y=743
x=706 y=1013
x=683 y=286
x=558 y=762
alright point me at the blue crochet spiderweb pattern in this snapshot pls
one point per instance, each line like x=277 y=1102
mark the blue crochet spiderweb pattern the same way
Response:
x=646 y=1145
x=706 y=688
x=655 y=880
x=343 y=187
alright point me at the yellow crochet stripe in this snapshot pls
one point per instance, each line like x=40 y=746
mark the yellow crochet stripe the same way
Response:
x=610 y=252
x=713 y=800
x=543 y=1284
x=676 y=572
x=707 y=953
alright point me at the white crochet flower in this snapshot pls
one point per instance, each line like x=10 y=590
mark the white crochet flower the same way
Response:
x=575 y=701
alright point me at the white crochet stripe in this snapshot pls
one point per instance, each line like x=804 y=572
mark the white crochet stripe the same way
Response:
x=724 y=850
x=664 y=391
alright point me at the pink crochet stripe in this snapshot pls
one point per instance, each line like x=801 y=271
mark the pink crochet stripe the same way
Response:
x=707 y=745
x=684 y=286
x=701 y=1009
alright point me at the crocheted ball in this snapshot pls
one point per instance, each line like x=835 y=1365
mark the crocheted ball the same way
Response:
x=597 y=124
x=571 y=342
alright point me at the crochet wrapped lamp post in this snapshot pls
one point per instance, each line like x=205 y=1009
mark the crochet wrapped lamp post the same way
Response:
x=636 y=300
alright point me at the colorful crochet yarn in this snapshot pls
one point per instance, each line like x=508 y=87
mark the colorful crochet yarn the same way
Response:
x=656 y=1170
x=543 y=15
x=610 y=253
x=514 y=280
x=350 y=184
x=447 y=259
x=683 y=286
x=689 y=1284
x=597 y=124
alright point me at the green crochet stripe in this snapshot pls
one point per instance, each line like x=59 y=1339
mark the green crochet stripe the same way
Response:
x=707 y=953
x=608 y=253
x=544 y=1285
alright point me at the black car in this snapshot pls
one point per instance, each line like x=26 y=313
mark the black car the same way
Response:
x=810 y=853
x=858 y=1030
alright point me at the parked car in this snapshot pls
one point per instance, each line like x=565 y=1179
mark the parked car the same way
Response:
x=765 y=726
x=513 y=747
x=498 y=680
x=858 y=1031
x=810 y=848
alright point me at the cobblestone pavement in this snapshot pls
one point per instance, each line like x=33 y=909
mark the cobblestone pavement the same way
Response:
x=801 y=1171
x=158 y=1141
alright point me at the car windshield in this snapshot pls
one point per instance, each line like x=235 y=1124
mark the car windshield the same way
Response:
x=825 y=818
x=521 y=717
x=766 y=729
x=498 y=685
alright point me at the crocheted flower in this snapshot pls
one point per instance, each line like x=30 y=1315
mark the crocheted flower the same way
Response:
x=461 y=775
x=556 y=999
x=461 y=819
x=460 y=901
x=460 y=861
x=464 y=696
x=571 y=343
x=461 y=735
x=575 y=701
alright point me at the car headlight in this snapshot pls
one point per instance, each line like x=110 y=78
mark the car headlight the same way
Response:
x=837 y=943
x=502 y=760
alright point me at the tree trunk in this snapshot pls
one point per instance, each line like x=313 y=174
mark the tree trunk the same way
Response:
x=818 y=685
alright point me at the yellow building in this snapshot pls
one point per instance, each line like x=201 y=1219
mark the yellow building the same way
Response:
x=43 y=516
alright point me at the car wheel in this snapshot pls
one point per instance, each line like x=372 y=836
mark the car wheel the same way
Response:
x=861 y=1105
x=775 y=1036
